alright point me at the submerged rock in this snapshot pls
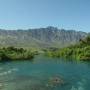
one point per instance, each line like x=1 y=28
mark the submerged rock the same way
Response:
x=55 y=81
x=1 y=85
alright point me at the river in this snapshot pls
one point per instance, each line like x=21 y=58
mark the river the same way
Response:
x=44 y=73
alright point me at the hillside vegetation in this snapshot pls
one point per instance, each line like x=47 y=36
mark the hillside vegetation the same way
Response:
x=80 y=51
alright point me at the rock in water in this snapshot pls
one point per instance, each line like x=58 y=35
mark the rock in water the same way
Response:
x=55 y=81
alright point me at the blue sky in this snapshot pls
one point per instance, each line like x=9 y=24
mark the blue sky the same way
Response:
x=24 y=14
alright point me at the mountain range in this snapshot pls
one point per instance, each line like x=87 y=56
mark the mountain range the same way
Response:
x=40 y=37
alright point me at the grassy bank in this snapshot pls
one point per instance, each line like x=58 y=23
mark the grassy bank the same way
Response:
x=80 y=51
x=12 y=53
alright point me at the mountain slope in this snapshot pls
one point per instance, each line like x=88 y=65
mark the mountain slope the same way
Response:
x=42 y=37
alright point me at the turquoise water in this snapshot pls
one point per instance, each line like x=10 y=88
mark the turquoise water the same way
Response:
x=40 y=73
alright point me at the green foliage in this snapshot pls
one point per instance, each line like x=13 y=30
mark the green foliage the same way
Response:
x=12 y=53
x=80 y=51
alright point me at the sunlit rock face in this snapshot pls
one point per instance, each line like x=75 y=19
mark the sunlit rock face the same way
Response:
x=41 y=37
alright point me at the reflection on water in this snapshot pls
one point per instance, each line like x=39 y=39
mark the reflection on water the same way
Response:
x=45 y=74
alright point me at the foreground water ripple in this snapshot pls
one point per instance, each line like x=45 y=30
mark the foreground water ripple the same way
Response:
x=45 y=74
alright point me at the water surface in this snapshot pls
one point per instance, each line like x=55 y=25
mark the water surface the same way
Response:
x=37 y=74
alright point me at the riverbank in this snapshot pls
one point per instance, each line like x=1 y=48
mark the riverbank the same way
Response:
x=13 y=53
x=80 y=51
